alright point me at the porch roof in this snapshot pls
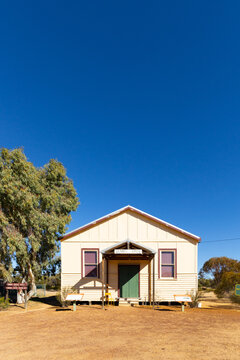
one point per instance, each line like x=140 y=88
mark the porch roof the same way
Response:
x=128 y=244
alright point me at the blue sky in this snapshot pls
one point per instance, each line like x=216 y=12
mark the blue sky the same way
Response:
x=139 y=101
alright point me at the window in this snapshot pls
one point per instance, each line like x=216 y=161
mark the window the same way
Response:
x=90 y=262
x=167 y=263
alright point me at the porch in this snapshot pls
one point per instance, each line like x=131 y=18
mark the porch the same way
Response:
x=129 y=256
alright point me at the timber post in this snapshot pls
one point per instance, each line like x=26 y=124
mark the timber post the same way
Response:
x=103 y=260
x=107 y=285
x=149 y=282
x=153 y=280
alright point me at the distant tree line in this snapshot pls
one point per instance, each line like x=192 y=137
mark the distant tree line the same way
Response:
x=221 y=274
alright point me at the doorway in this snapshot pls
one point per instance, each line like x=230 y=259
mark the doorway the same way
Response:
x=129 y=281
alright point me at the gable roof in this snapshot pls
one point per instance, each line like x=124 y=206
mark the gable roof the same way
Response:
x=134 y=210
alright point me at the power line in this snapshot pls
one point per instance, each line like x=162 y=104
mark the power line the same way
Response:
x=218 y=240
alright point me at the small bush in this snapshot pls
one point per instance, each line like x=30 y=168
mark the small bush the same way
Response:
x=227 y=283
x=235 y=299
x=3 y=303
x=205 y=283
x=195 y=298
x=62 y=294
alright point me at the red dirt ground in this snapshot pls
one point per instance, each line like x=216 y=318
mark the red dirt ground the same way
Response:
x=119 y=333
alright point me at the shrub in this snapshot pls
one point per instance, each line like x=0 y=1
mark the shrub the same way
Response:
x=235 y=299
x=205 y=284
x=3 y=303
x=62 y=294
x=195 y=298
x=227 y=283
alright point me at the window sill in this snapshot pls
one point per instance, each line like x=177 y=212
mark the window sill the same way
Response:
x=167 y=279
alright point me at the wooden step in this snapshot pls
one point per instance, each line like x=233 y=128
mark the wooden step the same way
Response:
x=124 y=304
x=128 y=301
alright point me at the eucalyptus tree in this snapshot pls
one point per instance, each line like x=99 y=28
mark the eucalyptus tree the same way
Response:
x=216 y=267
x=35 y=207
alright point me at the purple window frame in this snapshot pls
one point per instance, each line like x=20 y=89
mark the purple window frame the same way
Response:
x=83 y=262
x=160 y=264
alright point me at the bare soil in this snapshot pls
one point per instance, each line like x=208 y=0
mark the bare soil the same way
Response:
x=44 y=332
x=209 y=300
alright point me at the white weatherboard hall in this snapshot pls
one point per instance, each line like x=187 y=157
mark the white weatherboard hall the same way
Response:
x=132 y=256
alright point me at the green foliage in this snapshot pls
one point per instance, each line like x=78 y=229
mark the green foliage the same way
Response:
x=53 y=282
x=204 y=284
x=217 y=266
x=53 y=267
x=235 y=298
x=35 y=207
x=195 y=298
x=227 y=283
x=3 y=303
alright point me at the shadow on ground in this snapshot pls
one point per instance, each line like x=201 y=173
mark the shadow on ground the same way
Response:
x=50 y=300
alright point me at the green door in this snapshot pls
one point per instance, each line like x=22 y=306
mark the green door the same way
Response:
x=129 y=281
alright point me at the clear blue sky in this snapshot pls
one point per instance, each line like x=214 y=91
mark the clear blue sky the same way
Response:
x=139 y=101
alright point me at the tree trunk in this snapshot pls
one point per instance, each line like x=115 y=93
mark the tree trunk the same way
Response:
x=20 y=297
x=31 y=282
